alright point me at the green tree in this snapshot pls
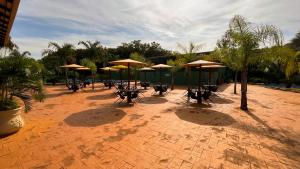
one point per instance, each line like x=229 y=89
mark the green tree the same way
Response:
x=295 y=43
x=190 y=52
x=229 y=55
x=175 y=67
x=20 y=76
x=284 y=58
x=94 y=51
x=64 y=53
x=246 y=40
x=56 y=56
x=90 y=64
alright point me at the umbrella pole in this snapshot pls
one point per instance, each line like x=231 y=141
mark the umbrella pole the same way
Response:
x=121 y=77
x=109 y=82
x=128 y=76
x=128 y=93
x=189 y=78
x=135 y=78
x=74 y=82
x=145 y=85
x=209 y=76
x=199 y=87
x=160 y=76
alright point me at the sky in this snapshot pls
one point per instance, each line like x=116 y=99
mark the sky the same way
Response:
x=167 y=22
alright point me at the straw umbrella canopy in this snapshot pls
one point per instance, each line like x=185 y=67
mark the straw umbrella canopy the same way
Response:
x=128 y=63
x=83 y=68
x=161 y=66
x=73 y=67
x=109 y=69
x=199 y=64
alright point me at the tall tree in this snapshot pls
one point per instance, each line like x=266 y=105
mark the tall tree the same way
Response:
x=295 y=43
x=57 y=56
x=93 y=50
x=64 y=53
x=247 y=39
x=229 y=55
x=190 y=52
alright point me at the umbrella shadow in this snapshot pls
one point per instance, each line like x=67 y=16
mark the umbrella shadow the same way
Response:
x=205 y=117
x=154 y=100
x=221 y=100
x=102 y=97
x=95 y=117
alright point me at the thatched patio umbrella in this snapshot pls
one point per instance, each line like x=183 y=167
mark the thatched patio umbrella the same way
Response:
x=109 y=69
x=72 y=67
x=199 y=64
x=128 y=63
x=160 y=67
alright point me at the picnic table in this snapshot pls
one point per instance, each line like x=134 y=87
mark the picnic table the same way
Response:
x=129 y=94
x=161 y=88
x=145 y=84
x=199 y=94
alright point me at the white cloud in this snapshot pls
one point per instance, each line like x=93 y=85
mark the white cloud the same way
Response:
x=163 y=21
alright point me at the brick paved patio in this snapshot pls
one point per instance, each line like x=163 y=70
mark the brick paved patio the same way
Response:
x=85 y=130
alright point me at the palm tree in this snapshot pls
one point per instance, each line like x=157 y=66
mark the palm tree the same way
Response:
x=19 y=76
x=9 y=47
x=190 y=52
x=229 y=56
x=64 y=53
x=93 y=51
x=246 y=40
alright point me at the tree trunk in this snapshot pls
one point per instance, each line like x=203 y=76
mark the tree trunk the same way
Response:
x=244 y=88
x=235 y=81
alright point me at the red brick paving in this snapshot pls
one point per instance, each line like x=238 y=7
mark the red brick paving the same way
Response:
x=85 y=130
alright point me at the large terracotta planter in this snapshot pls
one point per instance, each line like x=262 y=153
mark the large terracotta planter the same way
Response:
x=10 y=121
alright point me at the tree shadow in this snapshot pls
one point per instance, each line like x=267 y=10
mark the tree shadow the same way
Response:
x=95 y=117
x=102 y=97
x=223 y=87
x=53 y=95
x=90 y=90
x=61 y=89
x=258 y=103
x=284 y=137
x=242 y=158
x=205 y=117
x=221 y=100
x=154 y=100
x=122 y=133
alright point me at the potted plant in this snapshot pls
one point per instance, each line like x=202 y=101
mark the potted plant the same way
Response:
x=20 y=79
